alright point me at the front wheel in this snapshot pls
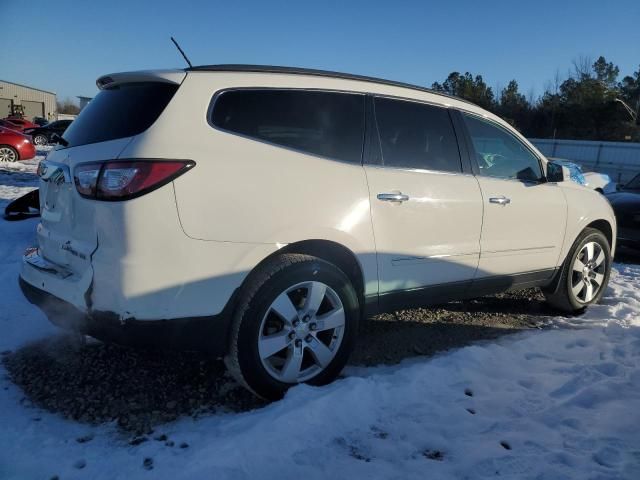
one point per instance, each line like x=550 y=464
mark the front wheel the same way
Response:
x=295 y=323
x=584 y=274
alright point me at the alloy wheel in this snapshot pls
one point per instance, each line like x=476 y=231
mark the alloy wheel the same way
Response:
x=40 y=140
x=301 y=332
x=7 y=154
x=588 y=273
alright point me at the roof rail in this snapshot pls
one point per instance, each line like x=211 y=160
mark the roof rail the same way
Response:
x=314 y=72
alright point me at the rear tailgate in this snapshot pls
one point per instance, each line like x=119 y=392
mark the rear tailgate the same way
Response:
x=68 y=231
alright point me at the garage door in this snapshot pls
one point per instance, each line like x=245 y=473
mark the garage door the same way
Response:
x=33 y=109
x=5 y=107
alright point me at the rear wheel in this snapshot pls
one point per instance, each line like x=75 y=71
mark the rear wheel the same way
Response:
x=8 y=154
x=40 y=140
x=585 y=273
x=295 y=323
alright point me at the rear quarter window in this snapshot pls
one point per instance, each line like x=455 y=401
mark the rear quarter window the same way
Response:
x=119 y=112
x=328 y=124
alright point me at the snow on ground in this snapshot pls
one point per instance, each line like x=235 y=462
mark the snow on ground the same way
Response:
x=16 y=326
x=559 y=403
x=16 y=179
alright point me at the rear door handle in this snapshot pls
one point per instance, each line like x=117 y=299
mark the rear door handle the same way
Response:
x=500 y=200
x=393 y=197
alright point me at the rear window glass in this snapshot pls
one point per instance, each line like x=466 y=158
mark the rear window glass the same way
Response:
x=329 y=124
x=119 y=112
x=416 y=135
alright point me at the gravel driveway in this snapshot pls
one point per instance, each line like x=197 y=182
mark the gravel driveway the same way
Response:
x=94 y=382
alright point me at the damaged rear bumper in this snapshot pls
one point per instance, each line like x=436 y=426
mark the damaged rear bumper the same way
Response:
x=205 y=334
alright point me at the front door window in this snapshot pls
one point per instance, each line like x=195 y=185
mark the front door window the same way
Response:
x=499 y=154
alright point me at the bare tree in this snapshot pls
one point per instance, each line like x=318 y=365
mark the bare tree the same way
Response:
x=582 y=67
x=68 y=106
x=557 y=81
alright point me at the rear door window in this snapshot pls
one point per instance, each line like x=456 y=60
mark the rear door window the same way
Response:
x=119 y=112
x=329 y=124
x=416 y=135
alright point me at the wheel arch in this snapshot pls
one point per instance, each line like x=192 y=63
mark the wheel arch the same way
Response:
x=601 y=225
x=337 y=254
x=604 y=226
x=333 y=252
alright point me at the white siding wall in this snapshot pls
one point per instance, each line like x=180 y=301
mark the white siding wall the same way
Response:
x=17 y=93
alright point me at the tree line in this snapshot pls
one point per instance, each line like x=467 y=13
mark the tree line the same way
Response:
x=593 y=103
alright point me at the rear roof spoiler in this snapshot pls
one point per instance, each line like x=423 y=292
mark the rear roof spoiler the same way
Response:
x=163 y=76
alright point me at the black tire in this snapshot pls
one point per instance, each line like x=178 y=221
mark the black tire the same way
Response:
x=260 y=290
x=43 y=140
x=562 y=297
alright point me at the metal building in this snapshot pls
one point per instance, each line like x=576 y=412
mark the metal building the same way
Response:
x=36 y=102
x=84 y=101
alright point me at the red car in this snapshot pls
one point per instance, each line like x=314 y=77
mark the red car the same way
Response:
x=20 y=123
x=10 y=126
x=15 y=146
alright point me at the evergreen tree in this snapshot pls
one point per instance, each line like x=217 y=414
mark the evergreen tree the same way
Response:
x=587 y=105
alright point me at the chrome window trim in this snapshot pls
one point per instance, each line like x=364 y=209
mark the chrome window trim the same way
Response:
x=418 y=170
x=409 y=99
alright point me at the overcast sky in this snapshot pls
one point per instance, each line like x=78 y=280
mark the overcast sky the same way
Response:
x=64 y=45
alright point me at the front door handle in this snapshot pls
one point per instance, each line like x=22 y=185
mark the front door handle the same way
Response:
x=500 y=200
x=393 y=197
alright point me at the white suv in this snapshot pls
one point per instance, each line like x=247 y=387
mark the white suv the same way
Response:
x=259 y=212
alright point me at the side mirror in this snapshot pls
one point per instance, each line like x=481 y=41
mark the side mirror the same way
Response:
x=557 y=173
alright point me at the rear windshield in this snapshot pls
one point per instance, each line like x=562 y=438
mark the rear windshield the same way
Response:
x=119 y=112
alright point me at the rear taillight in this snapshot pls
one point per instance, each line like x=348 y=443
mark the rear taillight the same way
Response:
x=85 y=177
x=126 y=179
